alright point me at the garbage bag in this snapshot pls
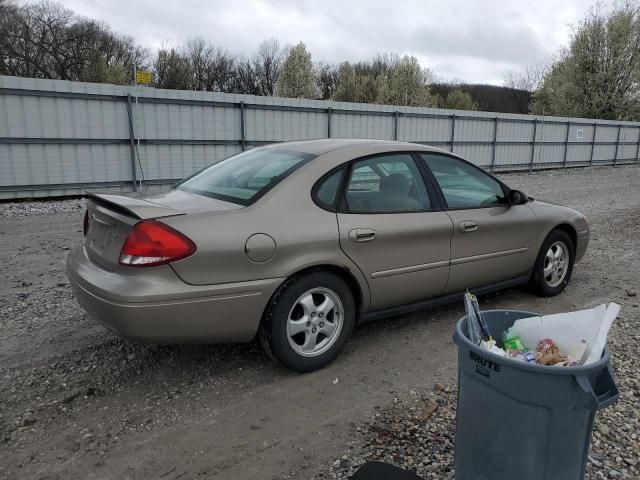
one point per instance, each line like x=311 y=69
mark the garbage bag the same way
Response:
x=570 y=329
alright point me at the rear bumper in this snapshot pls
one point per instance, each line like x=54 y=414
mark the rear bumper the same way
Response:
x=582 y=244
x=153 y=305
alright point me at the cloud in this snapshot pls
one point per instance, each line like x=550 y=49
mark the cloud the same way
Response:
x=475 y=41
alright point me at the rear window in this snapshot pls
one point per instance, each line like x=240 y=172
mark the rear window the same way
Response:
x=245 y=177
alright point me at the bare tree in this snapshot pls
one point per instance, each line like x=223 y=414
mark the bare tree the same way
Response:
x=198 y=55
x=530 y=78
x=222 y=72
x=326 y=79
x=267 y=63
x=46 y=40
x=198 y=65
x=246 y=78
x=172 y=70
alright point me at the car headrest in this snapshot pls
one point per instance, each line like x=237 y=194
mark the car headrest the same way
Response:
x=395 y=184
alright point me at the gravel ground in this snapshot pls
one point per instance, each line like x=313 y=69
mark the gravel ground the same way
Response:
x=76 y=402
x=416 y=432
x=29 y=209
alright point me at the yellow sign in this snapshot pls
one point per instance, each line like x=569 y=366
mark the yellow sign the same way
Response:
x=144 y=77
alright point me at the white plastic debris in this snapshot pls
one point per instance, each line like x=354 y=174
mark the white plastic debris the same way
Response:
x=490 y=346
x=579 y=353
x=586 y=329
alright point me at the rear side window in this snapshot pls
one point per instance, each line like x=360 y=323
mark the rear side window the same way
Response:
x=327 y=191
x=245 y=177
x=463 y=185
x=386 y=184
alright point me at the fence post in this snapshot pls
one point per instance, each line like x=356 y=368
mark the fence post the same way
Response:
x=395 y=125
x=533 y=144
x=132 y=144
x=329 y=122
x=243 y=140
x=593 y=142
x=615 y=156
x=453 y=130
x=495 y=138
x=566 y=146
x=638 y=146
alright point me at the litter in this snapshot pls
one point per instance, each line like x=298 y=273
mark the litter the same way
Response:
x=549 y=353
x=490 y=345
x=565 y=339
x=584 y=329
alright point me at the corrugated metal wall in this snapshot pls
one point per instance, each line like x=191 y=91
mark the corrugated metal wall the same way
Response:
x=62 y=138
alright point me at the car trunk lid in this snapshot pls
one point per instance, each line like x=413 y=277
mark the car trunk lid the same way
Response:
x=139 y=208
x=111 y=218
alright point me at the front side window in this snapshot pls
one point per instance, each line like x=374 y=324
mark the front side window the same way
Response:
x=386 y=184
x=245 y=177
x=463 y=185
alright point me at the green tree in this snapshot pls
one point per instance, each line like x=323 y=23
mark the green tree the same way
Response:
x=356 y=83
x=597 y=76
x=387 y=79
x=407 y=84
x=458 y=99
x=297 y=77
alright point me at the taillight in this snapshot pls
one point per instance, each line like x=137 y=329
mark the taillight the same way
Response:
x=85 y=223
x=153 y=243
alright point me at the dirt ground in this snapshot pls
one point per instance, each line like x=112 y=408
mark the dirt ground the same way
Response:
x=76 y=402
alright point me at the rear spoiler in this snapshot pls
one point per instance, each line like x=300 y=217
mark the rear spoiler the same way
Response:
x=133 y=207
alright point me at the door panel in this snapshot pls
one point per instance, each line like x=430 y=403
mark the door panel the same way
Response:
x=490 y=244
x=387 y=227
x=492 y=240
x=406 y=260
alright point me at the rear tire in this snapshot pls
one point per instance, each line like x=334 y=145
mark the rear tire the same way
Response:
x=554 y=265
x=308 y=321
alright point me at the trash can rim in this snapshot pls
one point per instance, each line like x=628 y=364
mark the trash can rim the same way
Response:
x=461 y=340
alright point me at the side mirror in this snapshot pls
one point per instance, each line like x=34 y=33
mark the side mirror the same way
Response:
x=516 y=197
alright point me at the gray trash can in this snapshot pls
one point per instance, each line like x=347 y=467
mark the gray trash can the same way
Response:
x=521 y=421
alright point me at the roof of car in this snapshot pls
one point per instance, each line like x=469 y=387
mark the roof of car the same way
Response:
x=324 y=145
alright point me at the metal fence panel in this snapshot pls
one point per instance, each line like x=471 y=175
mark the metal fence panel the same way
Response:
x=424 y=129
x=278 y=125
x=478 y=154
x=516 y=157
x=348 y=125
x=61 y=138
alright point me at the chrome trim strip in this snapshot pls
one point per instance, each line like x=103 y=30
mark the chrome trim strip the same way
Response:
x=410 y=269
x=487 y=256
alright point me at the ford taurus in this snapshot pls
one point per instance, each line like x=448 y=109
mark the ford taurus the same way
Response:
x=297 y=242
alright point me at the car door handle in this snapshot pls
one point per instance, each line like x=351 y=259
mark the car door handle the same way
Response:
x=362 y=235
x=468 y=226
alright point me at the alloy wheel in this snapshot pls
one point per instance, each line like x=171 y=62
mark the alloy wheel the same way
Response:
x=315 y=322
x=556 y=263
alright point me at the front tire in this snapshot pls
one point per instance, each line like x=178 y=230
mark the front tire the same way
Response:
x=308 y=321
x=554 y=265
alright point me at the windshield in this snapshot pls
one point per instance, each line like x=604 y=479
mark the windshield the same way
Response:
x=245 y=177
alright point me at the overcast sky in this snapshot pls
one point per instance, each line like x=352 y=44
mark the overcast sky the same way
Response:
x=469 y=40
